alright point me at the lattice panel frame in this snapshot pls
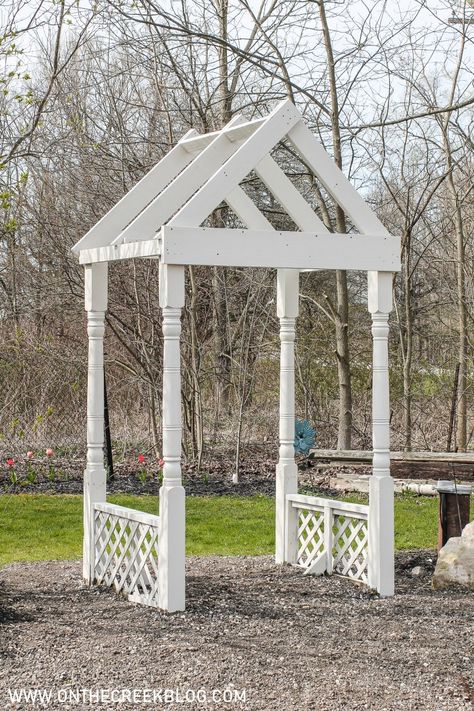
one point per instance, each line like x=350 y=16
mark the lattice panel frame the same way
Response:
x=338 y=529
x=126 y=553
x=310 y=535
x=350 y=546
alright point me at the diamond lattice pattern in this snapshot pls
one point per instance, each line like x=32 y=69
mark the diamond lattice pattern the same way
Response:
x=350 y=539
x=310 y=536
x=126 y=556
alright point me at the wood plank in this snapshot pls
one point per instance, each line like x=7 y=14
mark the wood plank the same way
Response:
x=278 y=249
x=233 y=133
x=288 y=196
x=334 y=180
x=318 y=503
x=112 y=253
x=247 y=211
x=127 y=513
x=133 y=202
x=177 y=192
x=244 y=160
x=362 y=456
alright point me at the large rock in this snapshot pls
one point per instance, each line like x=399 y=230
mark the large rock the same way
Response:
x=455 y=564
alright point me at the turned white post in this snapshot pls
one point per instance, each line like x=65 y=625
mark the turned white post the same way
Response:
x=286 y=517
x=171 y=551
x=381 y=530
x=95 y=284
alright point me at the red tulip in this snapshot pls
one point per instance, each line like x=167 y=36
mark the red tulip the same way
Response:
x=141 y=458
x=30 y=454
x=49 y=452
x=161 y=462
x=10 y=462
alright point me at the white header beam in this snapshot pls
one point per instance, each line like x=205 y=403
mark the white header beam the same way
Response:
x=281 y=250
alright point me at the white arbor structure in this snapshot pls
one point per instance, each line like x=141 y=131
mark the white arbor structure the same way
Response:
x=162 y=218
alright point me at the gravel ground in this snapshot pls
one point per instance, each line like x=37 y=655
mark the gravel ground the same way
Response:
x=289 y=641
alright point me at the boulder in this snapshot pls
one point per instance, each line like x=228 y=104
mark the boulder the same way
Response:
x=455 y=565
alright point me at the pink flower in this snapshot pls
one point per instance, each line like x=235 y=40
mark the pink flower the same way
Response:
x=49 y=452
x=161 y=462
x=30 y=454
x=10 y=462
x=141 y=458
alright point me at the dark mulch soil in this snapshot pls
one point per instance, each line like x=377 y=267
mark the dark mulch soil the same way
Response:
x=292 y=642
x=257 y=474
x=215 y=481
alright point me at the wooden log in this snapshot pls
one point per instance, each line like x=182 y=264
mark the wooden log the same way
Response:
x=362 y=456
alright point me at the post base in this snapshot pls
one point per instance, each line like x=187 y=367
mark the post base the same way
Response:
x=171 y=549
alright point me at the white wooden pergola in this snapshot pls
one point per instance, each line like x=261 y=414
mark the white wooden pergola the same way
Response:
x=142 y=555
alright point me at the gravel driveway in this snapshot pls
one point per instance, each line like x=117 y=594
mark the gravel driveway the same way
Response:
x=284 y=640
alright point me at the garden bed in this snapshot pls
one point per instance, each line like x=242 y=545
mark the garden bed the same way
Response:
x=292 y=642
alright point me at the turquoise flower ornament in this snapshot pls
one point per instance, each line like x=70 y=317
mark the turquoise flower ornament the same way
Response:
x=305 y=436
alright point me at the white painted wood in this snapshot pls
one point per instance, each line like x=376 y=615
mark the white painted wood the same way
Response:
x=183 y=189
x=277 y=249
x=328 y=538
x=319 y=503
x=126 y=552
x=319 y=566
x=116 y=219
x=288 y=196
x=95 y=281
x=334 y=180
x=127 y=513
x=381 y=526
x=174 y=195
x=172 y=498
x=232 y=132
x=310 y=536
x=330 y=527
x=247 y=211
x=379 y=291
x=227 y=177
x=116 y=252
x=286 y=519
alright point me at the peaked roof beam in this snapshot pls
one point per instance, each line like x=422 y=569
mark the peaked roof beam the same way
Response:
x=334 y=180
x=252 y=151
x=174 y=195
x=133 y=202
x=233 y=133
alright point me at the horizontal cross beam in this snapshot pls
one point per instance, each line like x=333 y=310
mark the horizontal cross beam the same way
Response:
x=113 y=253
x=233 y=133
x=279 y=250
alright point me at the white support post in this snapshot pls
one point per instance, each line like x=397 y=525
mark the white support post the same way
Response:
x=328 y=538
x=286 y=517
x=95 y=284
x=171 y=543
x=381 y=528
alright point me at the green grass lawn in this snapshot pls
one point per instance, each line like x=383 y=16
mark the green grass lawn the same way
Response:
x=41 y=527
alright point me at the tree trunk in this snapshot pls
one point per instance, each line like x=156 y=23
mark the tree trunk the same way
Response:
x=344 y=439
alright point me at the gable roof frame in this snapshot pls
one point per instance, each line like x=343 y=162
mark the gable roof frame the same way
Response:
x=162 y=215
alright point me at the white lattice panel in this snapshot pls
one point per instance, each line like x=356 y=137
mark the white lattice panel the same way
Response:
x=310 y=536
x=126 y=552
x=350 y=546
x=338 y=529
